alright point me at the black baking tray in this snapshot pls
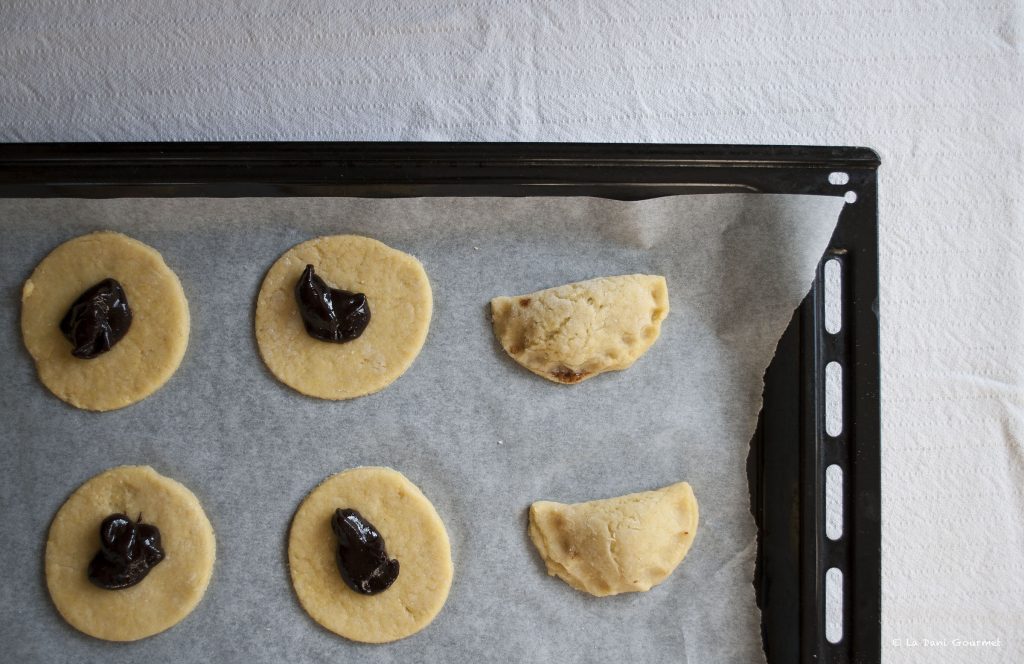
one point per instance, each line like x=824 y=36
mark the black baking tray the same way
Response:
x=791 y=448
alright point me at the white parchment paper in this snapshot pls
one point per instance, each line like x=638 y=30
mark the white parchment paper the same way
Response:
x=480 y=435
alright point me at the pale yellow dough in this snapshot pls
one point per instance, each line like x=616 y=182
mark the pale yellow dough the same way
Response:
x=400 y=300
x=413 y=534
x=617 y=545
x=574 y=332
x=144 y=359
x=171 y=589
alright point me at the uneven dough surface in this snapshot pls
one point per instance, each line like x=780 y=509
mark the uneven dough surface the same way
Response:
x=171 y=589
x=574 y=332
x=413 y=534
x=141 y=362
x=400 y=301
x=616 y=545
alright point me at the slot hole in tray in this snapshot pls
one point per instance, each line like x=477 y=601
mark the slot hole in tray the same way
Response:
x=833 y=399
x=834 y=502
x=834 y=605
x=833 y=296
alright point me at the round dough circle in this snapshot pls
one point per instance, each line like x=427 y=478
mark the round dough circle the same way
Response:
x=413 y=534
x=144 y=359
x=171 y=589
x=400 y=300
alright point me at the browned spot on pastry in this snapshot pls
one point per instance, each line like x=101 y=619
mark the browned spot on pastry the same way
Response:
x=524 y=301
x=515 y=350
x=566 y=375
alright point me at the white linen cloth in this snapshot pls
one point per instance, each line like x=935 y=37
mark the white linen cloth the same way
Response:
x=935 y=87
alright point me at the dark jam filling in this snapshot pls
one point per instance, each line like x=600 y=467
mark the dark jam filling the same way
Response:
x=361 y=557
x=128 y=551
x=97 y=320
x=330 y=314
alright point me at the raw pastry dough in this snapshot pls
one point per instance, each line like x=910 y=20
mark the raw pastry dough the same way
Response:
x=570 y=333
x=413 y=534
x=171 y=589
x=141 y=362
x=400 y=301
x=617 y=545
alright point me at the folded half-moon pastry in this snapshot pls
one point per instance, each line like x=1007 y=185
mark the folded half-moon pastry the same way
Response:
x=573 y=332
x=616 y=545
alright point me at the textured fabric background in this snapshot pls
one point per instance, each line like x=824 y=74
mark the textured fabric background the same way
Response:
x=935 y=87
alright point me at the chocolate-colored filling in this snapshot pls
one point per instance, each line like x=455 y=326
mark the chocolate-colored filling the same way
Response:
x=128 y=550
x=97 y=320
x=361 y=556
x=330 y=314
